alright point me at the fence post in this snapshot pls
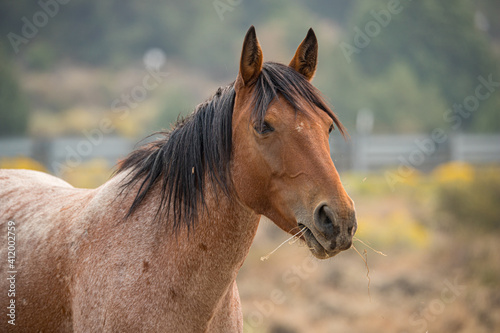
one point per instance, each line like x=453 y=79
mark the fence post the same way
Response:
x=364 y=127
x=41 y=151
x=457 y=147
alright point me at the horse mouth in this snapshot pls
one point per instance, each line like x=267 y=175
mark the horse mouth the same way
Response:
x=317 y=249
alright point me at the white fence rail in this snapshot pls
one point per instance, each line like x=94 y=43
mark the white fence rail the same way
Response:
x=359 y=153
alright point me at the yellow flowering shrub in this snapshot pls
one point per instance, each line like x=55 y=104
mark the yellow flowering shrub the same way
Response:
x=89 y=174
x=397 y=229
x=21 y=162
x=453 y=171
x=471 y=198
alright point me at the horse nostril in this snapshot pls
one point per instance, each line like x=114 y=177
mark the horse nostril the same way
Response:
x=322 y=215
x=324 y=219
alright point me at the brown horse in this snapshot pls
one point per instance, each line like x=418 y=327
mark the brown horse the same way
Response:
x=157 y=248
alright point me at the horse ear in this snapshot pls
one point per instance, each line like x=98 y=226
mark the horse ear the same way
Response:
x=306 y=56
x=251 y=58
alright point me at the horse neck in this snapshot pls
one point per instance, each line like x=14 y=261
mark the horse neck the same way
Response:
x=205 y=260
x=225 y=231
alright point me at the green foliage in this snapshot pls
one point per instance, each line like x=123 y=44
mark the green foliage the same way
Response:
x=178 y=102
x=40 y=56
x=472 y=204
x=13 y=109
x=400 y=103
x=487 y=118
x=427 y=57
x=441 y=45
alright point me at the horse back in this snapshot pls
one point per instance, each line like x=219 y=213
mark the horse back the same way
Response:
x=40 y=214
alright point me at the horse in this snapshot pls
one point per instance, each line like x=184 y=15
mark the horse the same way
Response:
x=157 y=248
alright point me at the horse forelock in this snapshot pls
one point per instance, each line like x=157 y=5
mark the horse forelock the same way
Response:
x=198 y=148
x=280 y=80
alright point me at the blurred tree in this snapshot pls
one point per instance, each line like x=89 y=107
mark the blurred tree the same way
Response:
x=399 y=102
x=439 y=42
x=338 y=10
x=427 y=46
x=488 y=11
x=13 y=107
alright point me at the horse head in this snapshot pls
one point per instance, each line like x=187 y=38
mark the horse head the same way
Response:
x=281 y=166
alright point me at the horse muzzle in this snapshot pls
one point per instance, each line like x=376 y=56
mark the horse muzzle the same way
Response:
x=329 y=233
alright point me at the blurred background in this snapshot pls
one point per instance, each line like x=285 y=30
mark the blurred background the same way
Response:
x=417 y=84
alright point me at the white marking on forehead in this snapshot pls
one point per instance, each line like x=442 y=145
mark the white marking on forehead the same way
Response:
x=300 y=127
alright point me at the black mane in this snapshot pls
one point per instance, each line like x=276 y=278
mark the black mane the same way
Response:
x=198 y=148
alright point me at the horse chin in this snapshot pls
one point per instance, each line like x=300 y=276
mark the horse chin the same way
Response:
x=318 y=250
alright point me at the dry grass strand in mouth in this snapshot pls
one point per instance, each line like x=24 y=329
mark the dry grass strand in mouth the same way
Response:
x=368 y=246
x=301 y=232
x=365 y=259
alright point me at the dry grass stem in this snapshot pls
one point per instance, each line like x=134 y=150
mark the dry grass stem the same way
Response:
x=295 y=235
x=365 y=259
x=368 y=246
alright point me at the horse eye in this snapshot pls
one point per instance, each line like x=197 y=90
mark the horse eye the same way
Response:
x=330 y=129
x=264 y=128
